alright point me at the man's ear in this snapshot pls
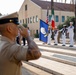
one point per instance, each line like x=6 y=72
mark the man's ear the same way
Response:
x=9 y=28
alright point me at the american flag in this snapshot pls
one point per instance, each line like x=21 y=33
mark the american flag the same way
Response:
x=47 y=20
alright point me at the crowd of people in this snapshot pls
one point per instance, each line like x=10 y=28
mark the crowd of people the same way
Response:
x=65 y=31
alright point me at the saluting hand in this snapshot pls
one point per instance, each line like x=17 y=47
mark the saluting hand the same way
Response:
x=24 y=32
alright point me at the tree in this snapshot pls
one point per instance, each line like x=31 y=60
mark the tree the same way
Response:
x=74 y=6
x=0 y=14
x=25 y=25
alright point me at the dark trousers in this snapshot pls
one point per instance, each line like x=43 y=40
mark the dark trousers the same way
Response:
x=24 y=41
x=17 y=40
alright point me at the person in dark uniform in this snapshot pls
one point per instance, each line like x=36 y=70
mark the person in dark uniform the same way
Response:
x=64 y=32
x=18 y=38
x=11 y=53
x=24 y=41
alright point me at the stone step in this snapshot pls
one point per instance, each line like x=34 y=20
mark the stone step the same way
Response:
x=39 y=43
x=27 y=72
x=36 y=71
x=71 y=60
x=58 y=50
x=54 y=67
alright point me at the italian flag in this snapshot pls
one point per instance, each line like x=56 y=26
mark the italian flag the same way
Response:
x=52 y=19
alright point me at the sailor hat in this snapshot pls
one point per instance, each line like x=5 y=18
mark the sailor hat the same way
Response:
x=71 y=22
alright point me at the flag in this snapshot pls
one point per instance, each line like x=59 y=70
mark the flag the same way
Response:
x=43 y=31
x=52 y=19
x=47 y=20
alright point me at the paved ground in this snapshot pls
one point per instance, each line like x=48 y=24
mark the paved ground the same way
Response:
x=27 y=72
x=54 y=65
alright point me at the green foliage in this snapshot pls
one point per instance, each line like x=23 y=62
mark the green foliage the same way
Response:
x=25 y=25
x=69 y=19
x=0 y=14
x=36 y=35
x=60 y=26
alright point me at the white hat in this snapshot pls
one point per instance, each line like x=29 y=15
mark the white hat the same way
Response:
x=64 y=25
x=71 y=22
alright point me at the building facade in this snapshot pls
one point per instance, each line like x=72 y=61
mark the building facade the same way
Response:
x=32 y=11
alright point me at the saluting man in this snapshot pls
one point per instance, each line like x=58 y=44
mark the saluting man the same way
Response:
x=64 y=32
x=56 y=36
x=71 y=34
x=11 y=53
x=49 y=35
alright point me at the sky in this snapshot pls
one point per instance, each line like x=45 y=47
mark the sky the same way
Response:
x=11 y=6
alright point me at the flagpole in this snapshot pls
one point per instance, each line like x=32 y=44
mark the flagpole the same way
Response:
x=75 y=20
x=47 y=13
x=52 y=7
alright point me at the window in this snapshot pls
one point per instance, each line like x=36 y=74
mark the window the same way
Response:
x=30 y=20
x=36 y=31
x=33 y=19
x=26 y=21
x=56 y=18
x=25 y=7
x=20 y=21
x=23 y=21
x=36 y=18
x=50 y=18
x=63 y=18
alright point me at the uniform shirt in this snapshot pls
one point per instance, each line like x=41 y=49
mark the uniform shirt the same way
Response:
x=71 y=30
x=63 y=31
x=11 y=55
x=55 y=32
x=50 y=32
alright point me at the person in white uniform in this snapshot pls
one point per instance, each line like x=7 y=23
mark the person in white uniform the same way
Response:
x=56 y=36
x=64 y=32
x=71 y=34
x=49 y=35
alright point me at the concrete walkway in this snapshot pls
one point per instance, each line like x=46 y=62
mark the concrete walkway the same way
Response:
x=58 y=68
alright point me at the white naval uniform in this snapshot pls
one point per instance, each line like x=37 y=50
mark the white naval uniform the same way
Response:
x=71 y=35
x=63 y=36
x=56 y=37
x=49 y=37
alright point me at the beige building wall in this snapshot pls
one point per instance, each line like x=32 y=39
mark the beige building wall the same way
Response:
x=59 y=14
x=35 y=10
x=63 y=13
